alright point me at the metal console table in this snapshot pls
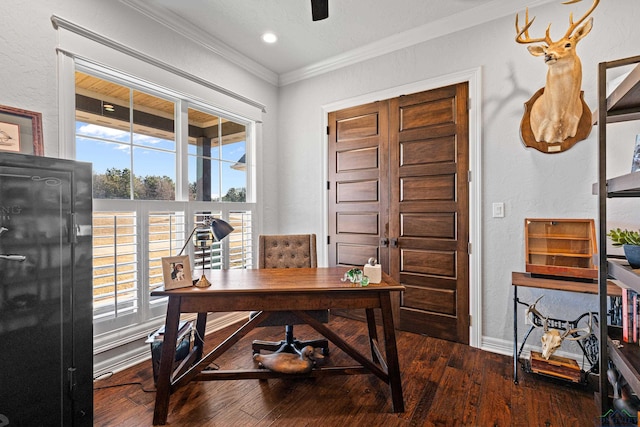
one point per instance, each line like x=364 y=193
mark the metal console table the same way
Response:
x=527 y=280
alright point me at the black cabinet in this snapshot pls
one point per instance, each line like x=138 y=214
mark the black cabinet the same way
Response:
x=45 y=292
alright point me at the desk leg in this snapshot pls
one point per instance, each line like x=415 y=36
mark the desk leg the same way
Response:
x=373 y=333
x=515 y=335
x=395 y=381
x=201 y=324
x=163 y=384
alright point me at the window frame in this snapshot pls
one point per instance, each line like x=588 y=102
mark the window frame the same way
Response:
x=113 y=332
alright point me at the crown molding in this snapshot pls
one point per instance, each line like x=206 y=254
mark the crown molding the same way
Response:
x=451 y=24
x=448 y=25
x=184 y=28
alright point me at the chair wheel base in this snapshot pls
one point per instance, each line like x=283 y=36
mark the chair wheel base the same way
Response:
x=293 y=347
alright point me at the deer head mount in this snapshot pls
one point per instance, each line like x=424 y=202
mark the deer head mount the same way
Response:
x=556 y=117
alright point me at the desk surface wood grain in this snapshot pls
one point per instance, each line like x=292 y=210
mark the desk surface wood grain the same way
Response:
x=280 y=280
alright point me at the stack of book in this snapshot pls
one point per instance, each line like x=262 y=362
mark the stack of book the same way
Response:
x=630 y=312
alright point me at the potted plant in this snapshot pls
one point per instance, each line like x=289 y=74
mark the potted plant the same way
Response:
x=630 y=242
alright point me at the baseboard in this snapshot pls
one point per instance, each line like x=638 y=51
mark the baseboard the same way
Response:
x=138 y=351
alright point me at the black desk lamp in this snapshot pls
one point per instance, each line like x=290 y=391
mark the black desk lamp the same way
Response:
x=211 y=230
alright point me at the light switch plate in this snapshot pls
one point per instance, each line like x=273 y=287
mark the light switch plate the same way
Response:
x=498 y=210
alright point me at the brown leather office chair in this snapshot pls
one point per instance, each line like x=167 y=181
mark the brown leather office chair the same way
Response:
x=289 y=251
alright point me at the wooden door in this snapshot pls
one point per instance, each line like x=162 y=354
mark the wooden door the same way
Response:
x=428 y=223
x=398 y=191
x=358 y=184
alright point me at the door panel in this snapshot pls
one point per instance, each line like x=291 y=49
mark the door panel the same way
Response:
x=355 y=255
x=429 y=210
x=436 y=263
x=366 y=158
x=364 y=223
x=424 y=188
x=434 y=225
x=423 y=152
x=360 y=125
x=441 y=301
x=359 y=191
x=428 y=112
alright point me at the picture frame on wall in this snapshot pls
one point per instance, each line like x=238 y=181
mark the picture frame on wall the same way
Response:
x=176 y=272
x=635 y=164
x=21 y=131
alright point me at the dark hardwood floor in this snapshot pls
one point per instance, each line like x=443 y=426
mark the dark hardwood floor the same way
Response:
x=444 y=384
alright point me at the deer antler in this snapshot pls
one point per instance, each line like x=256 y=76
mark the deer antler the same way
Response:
x=572 y=25
x=522 y=36
x=532 y=310
x=587 y=330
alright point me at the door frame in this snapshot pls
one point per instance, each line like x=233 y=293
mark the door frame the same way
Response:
x=474 y=78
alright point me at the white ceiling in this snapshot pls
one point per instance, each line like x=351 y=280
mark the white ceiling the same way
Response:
x=354 y=29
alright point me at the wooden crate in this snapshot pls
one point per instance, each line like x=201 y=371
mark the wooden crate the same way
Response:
x=561 y=247
x=556 y=366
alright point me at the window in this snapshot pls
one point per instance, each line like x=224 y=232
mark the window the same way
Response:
x=162 y=164
x=217 y=153
x=129 y=137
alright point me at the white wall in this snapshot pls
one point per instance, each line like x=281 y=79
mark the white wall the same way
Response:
x=531 y=184
x=29 y=78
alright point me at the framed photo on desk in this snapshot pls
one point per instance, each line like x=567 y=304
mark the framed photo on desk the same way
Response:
x=176 y=272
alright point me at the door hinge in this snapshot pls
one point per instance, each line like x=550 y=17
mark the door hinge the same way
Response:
x=469 y=176
x=328 y=240
x=469 y=248
x=470 y=322
x=327 y=130
x=328 y=185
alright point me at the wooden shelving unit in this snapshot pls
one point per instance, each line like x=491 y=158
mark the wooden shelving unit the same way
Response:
x=561 y=247
x=623 y=104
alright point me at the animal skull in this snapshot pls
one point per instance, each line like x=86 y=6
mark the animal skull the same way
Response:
x=551 y=341
x=552 y=338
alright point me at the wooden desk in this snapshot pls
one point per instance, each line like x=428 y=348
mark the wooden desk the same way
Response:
x=296 y=290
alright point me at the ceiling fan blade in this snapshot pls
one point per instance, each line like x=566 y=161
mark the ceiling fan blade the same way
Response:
x=319 y=9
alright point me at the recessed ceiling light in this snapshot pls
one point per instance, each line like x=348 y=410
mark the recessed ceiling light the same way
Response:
x=269 y=38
